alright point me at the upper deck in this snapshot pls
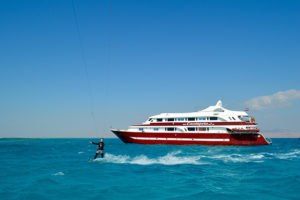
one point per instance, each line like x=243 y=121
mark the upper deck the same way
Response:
x=214 y=114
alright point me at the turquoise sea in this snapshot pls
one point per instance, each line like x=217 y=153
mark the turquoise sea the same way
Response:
x=59 y=169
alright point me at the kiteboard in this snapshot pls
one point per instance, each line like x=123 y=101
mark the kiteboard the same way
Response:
x=98 y=160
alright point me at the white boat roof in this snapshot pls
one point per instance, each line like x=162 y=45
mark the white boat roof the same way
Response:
x=217 y=110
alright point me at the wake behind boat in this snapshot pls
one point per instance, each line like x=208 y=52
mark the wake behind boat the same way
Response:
x=214 y=125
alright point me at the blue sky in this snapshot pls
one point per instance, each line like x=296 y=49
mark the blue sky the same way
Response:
x=143 y=58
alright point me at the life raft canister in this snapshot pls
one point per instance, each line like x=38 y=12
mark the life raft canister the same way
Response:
x=252 y=119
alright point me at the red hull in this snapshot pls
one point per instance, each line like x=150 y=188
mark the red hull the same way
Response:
x=191 y=138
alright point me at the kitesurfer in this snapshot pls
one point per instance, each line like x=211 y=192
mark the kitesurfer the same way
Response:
x=100 y=148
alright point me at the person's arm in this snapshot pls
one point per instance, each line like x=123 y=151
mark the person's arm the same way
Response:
x=97 y=143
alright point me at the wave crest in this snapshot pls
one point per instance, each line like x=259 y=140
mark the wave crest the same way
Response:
x=289 y=155
x=259 y=157
x=58 y=174
x=239 y=157
x=174 y=158
x=171 y=158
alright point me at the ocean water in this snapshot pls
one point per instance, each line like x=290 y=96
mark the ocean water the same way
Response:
x=59 y=169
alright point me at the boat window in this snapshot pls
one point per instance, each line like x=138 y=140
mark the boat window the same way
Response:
x=191 y=129
x=179 y=129
x=233 y=118
x=180 y=119
x=149 y=119
x=159 y=119
x=156 y=129
x=170 y=119
x=213 y=118
x=219 y=110
x=245 y=118
x=221 y=119
x=202 y=118
x=170 y=129
x=141 y=129
x=230 y=118
x=191 y=119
